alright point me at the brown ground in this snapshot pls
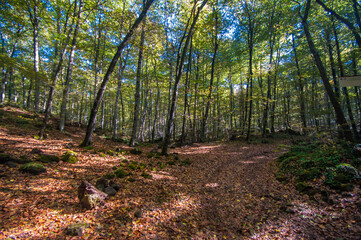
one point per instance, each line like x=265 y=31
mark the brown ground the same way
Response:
x=228 y=192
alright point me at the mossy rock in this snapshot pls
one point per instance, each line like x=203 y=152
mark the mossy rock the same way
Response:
x=33 y=168
x=120 y=173
x=70 y=157
x=135 y=151
x=348 y=170
x=6 y=158
x=48 y=158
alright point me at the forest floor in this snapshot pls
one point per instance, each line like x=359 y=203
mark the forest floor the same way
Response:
x=228 y=191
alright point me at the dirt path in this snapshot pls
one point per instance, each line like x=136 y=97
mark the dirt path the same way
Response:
x=230 y=192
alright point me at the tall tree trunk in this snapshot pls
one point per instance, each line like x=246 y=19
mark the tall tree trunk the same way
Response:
x=340 y=118
x=69 y=71
x=209 y=98
x=186 y=89
x=91 y=124
x=300 y=87
x=137 y=88
x=180 y=65
x=35 y=23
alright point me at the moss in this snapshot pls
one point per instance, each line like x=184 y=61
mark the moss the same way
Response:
x=185 y=162
x=146 y=175
x=48 y=158
x=133 y=166
x=70 y=157
x=33 y=168
x=111 y=153
x=161 y=165
x=109 y=176
x=120 y=173
x=142 y=166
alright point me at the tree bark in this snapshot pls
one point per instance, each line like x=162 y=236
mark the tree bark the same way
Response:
x=170 y=119
x=91 y=124
x=69 y=71
x=340 y=118
x=137 y=89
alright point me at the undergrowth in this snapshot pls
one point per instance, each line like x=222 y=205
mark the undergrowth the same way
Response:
x=323 y=160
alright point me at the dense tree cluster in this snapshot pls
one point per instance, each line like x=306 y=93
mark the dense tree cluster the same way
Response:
x=188 y=70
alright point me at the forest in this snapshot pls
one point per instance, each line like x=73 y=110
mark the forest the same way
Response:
x=241 y=112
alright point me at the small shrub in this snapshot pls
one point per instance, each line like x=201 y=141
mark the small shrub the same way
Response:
x=111 y=153
x=171 y=163
x=150 y=155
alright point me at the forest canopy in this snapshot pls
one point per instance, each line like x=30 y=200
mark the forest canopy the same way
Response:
x=189 y=70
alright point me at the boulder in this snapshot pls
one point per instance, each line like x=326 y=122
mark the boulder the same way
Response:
x=76 y=229
x=32 y=168
x=70 y=157
x=89 y=196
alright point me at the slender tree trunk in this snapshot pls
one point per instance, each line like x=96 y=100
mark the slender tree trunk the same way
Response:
x=69 y=71
x=137 y=89
x=300 y=87
x=209 y=98
x=170 y=119
x=91 y=124
x=35 y=24
x=340 y=118
x=186 y=89
x=344 y=89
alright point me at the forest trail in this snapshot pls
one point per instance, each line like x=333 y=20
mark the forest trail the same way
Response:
x=226 y=190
